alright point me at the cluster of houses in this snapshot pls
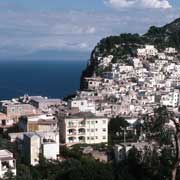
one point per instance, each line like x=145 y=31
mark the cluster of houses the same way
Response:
x=149 y=79
x=41 y=126
x=35 y=127
x=132 y=89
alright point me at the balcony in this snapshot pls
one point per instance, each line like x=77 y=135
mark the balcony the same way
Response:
x=82 y=124
x=72 y=139
x=71 y=125
x=71 y=132
x=81 y=139
x=81 y=131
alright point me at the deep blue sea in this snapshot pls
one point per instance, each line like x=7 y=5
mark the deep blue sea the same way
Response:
x=54 y=79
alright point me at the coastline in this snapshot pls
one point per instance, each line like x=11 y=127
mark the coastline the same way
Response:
x=52 y=79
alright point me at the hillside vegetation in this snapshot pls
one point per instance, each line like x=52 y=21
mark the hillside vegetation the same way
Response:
x=125 y=45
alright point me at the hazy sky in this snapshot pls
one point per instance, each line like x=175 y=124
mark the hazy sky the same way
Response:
x=29 y=27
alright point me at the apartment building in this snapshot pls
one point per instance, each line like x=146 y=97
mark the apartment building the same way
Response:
x=83 y=128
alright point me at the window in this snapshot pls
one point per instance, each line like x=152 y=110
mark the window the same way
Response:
x=88 y=138
x=104 y=121
x=104 y=137
x=20 y=109
x=96 y=122
x=92 y=130
x=92 y=138
x=96 y=137
x=13 y=109
x=104 y=129
x=92 y=122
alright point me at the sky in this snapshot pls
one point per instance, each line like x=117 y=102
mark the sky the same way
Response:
x=71 y=28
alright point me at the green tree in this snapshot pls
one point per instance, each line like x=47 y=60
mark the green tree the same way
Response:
x=23 y=172
x=155 y=127
x=116 y=128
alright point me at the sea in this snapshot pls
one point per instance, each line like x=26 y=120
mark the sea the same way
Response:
x=51 y=78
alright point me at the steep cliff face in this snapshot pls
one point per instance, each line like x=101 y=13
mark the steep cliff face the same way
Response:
x=125 y=45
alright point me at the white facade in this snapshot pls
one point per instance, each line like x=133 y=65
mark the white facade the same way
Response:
x=90 y=130
x=170 y=50
x=7 y=162
x=35 y=143
x=161 y=56
x=141 y=52
x=50 y=150
x=93 y=83
x=149 y=50
x=137 y=63
x=83 y=105
x=31 y=149
x=171 y=99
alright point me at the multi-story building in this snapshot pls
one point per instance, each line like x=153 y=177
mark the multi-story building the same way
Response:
x=83 y=105
x=170 y=50
x=33 y=144
x=44 y=103
x=92 y=83
x=39 y=123
x=171 y=99
x=83 y=128
x=14 y=109
x=7 y=162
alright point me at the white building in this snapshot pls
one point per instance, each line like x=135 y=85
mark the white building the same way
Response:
x=93 y=83
x=83 y=105
x=161 y=56
x=32 y=144
x=83 y=128
x=171 y=99
x=141 y=52
x=31 y=149
x=40 y=123
x=137 y=63
x=7 y=162
x=170 y=50
x=149 y=50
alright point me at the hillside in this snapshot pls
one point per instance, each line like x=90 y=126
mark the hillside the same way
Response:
x=125 y=45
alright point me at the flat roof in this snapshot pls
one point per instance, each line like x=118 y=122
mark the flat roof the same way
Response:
x=43 y=99
x=4 y=153
x=84 y=115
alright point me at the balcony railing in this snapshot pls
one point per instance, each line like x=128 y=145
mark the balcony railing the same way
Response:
x=71 y=133
x=82 y=141
x=72 y=126
x=81 y=133
x=82 y=125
